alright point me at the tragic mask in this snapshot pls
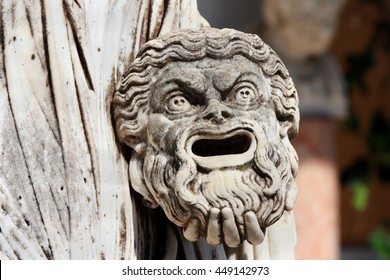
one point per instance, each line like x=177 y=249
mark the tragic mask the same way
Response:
x=209 y=115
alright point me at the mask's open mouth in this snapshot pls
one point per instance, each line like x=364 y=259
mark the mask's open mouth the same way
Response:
x=218 y=151
x=237 y=144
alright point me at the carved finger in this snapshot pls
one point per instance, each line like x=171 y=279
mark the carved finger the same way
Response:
x=291 y=195
x=191 y=231
x=230 y=230
x=254 y=233
x=214 y=227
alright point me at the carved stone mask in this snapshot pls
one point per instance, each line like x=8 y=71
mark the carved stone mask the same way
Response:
x=209 y=115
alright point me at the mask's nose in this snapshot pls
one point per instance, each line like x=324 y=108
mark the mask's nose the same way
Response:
x=216 y=112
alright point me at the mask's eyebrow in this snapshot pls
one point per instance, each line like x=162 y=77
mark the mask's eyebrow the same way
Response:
x=191 y=81
x=224 y=86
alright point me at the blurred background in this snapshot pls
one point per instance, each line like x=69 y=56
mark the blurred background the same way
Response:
x=338 y=53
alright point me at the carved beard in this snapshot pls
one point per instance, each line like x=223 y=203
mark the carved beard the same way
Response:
x=185 y=193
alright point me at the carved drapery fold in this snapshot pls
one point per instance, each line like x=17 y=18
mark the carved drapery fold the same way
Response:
x=64 y=189
x=64 y=185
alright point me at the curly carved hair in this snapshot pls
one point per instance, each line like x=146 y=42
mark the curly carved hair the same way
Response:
x=131 y=99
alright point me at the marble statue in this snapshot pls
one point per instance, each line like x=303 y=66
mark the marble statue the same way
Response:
x=209 y=115
x=64 y=187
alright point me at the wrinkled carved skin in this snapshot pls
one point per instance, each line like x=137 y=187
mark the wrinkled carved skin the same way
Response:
x=213 y=157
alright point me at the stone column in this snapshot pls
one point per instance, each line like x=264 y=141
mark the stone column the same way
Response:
x=317 y=205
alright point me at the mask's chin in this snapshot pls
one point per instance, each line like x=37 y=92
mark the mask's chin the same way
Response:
x=218 y=151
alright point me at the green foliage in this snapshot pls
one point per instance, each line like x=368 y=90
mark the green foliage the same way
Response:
x=380 y=241
x=357 y=178
x=360 y=195
x=377 y=163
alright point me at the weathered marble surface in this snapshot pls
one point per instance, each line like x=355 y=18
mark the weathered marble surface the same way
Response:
x=64 y=186
x=209 y=115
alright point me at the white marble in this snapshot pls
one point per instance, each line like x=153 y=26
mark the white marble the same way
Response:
x=211 y=145
x=64 y=186
x=67 y=183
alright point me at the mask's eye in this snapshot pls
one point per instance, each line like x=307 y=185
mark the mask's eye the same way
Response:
x=177 y=103
x=244 y=94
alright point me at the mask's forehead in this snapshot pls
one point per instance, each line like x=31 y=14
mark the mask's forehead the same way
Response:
x=200 y=75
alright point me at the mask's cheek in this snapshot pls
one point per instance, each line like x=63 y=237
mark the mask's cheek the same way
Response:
x=158 y=131
x=168 y=136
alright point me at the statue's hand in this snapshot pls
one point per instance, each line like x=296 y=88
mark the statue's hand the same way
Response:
x=222 y=227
